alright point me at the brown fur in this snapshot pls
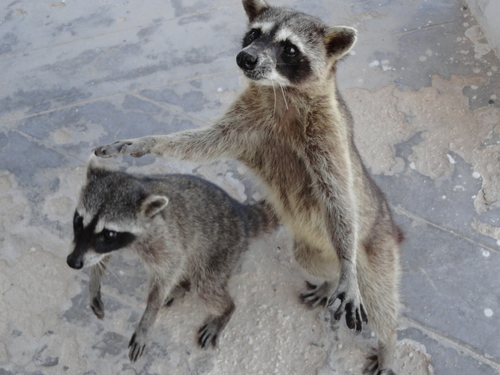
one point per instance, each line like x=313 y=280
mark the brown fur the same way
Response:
x=300 y=145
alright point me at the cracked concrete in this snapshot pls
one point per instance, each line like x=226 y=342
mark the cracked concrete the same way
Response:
x=424 y=89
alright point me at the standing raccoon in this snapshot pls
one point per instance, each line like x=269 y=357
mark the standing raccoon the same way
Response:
x=187 y=231
x=293 y=130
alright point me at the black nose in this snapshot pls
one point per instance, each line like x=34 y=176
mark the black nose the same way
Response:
x=246 y=60
x=74 y=262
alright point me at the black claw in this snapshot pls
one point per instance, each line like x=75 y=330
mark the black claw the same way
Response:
x=371 y=369
x=310 y=286
x=349 y=315
x=364 y=317
x=338 y=314
x=131 y=340
x=372 y=366
x=306 y=295
x=359 y=323
x=204 y=341
x=202 y=328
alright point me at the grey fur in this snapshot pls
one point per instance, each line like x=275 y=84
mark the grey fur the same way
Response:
x=293 y=130
x=187 y=231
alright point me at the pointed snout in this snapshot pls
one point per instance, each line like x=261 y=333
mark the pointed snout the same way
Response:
x=75 y=260
x=246 y=60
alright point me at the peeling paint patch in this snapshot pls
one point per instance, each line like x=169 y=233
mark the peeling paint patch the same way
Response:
x=441 y=114
x=475 y=35
x=486 y=229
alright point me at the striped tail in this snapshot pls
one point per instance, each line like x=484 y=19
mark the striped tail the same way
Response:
x=261 y=218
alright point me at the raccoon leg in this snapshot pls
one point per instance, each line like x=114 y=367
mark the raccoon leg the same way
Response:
x=378 y=275
x=315 y=264
x=192 y=145
x=178 y=292
x=96 y=273
x=222 y=307
x=157 y=294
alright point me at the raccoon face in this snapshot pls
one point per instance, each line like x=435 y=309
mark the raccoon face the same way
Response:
x=93 y=243
x=114 y=211
x=289 y=48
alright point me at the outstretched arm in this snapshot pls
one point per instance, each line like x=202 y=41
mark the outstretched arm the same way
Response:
x=206 y=144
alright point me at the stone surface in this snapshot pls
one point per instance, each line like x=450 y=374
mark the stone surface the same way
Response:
x=424 y=89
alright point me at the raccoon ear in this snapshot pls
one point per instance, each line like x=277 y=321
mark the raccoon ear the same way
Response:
x=93 y=166
x=339 y=40
x=153 y=204
x=254 y=8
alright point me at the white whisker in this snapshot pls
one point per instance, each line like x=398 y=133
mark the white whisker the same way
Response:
x=284 y=98
x=103 y=266
x=274 y=90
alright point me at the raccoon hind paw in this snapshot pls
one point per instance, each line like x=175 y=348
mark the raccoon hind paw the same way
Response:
x=373 y=367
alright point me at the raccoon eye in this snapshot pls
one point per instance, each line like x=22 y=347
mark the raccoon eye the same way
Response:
x=251 y=36
x=109 y=235
x=290 y=50
x=77 y=221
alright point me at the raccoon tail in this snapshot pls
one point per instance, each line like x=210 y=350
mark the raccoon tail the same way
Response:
x=261 y=218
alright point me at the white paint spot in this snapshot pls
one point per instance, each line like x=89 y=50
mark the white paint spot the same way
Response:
x=121 y=272
x=219 y=89
x=422 y=58
x=374 y=64
x=488 y=313
x=450 y=158
x=412 y=165
x=486 y=253
x=493 y=97
x=474 y=87
x=466 y=24
x=352 y=52
x=498 y=242
x=428 y=52
x=476 y=175
x=443 y=197
x=385 y=65
x=32 y=250
x=474 y=197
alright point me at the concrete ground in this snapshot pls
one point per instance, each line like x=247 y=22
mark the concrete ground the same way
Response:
x=424 y=88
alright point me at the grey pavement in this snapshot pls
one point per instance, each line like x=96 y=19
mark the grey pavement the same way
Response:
x=424 y=89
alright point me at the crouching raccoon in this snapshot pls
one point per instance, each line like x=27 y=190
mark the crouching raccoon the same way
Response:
x=187 y=231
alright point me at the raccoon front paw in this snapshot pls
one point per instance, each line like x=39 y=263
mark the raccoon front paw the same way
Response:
x=136 y=347
x=135 y=147
x=209 y=333
x=316 y=295
x=97 y=306
x=351 y=305
x=373 y=367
